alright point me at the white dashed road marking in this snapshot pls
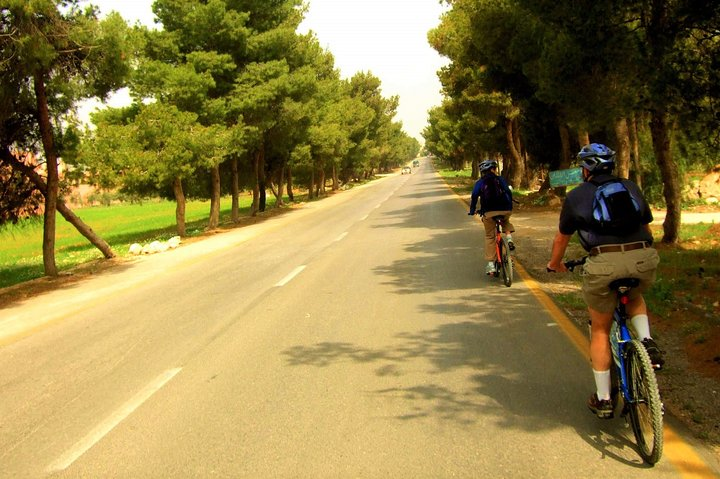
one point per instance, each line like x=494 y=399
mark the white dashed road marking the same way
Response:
x=102 y=429
x=290 y=277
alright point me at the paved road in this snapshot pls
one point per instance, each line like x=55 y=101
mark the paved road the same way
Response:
x=354 y=338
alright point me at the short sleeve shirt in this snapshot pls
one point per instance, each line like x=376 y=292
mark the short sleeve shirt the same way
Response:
x=576 y=215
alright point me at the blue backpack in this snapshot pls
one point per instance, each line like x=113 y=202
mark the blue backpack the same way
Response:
x=615 y=210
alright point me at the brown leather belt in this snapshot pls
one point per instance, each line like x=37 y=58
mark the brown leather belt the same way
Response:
x=616 y=248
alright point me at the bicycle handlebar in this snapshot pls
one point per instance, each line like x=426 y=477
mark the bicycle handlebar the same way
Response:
x=570 y=264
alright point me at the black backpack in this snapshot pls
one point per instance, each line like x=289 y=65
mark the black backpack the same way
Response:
x=615 y=210
x=492 y=190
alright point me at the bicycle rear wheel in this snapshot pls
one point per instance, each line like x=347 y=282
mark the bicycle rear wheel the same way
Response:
x=645 y=408
x=506 y=263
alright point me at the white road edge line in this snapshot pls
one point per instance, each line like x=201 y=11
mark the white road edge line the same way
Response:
x=102 y=429
x=339 y=238
x=289 y=277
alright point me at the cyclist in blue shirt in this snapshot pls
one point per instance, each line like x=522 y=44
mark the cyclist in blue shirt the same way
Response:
x=495 y=198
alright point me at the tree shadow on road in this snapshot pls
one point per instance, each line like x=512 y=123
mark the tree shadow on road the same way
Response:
x=494 y=354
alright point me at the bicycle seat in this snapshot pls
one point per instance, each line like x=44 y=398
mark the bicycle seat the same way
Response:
x=624 y=282
x=499 y=218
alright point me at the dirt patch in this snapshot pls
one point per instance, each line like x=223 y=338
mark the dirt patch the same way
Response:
x=18 y=293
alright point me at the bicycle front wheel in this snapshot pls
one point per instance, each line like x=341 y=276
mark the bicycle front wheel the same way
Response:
x=645 y=409
x=506 y=263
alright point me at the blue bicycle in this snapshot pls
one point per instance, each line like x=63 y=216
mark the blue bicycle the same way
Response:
x=634 y=377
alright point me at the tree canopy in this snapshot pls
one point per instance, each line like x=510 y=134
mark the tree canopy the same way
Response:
x=52 y=54
x=226 y=95
x=555 y=75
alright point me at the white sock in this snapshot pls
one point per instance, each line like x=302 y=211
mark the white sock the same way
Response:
x=641 y=325
x=508 y=236
x=602 y=383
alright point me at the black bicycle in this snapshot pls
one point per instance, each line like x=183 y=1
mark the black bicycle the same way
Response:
x=635 y=380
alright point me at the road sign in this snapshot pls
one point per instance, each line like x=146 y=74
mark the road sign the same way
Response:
x=572 y=176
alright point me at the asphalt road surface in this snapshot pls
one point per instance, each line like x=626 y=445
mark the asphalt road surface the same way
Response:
x=356 y=337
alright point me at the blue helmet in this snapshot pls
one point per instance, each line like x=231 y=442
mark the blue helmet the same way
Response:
x=597 y=158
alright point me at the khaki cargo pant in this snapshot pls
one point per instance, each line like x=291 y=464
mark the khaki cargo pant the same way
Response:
x=599 y=271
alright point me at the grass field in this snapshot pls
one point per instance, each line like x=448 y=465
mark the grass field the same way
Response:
x=119 y=225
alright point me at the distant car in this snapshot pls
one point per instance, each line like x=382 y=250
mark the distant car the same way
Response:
x=406 y=169
x=416 y=162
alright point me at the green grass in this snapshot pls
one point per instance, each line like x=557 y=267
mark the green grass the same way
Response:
x=691 y=232
x=571 y=300
x=120 y=225
x=686 y=274
x=466 y=173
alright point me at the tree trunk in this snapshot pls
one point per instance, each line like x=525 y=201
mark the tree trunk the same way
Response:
x=515 y=170
x=335 y=179
x=280 y=183
x=85 y=230
x=566 y=158
x=235 y=182
x=622 y=149
x=517 y=137
x=290 y=184
x=263 y=196
x=321 y=182
x=256 y=185
x=517 y=166
x=262 y=181
x=672 y=184
x=636 y=168
x=179 y=206
x=531 y=175
x=214 y=221
x=271 y=185
x=311 y=188
x=64 y=210
x=470 y=157
x=583 y=138
x=51 y=163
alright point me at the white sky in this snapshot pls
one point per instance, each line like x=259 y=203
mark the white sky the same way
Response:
x=386 y=37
